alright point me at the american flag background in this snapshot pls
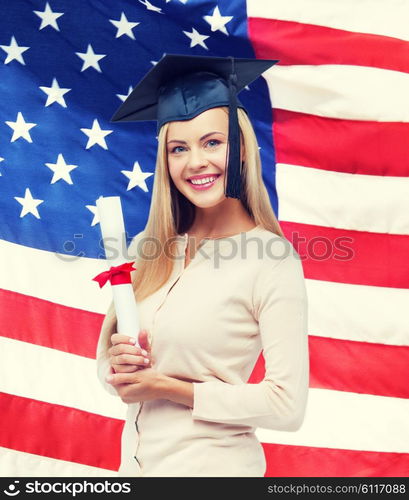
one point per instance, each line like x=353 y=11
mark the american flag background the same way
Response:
x=332 y=123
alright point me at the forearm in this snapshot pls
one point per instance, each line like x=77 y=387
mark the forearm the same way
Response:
x=176 y=390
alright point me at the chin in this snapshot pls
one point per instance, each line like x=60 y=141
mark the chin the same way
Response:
x=209 y=201
x=207 y=204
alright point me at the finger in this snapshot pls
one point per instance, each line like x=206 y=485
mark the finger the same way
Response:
x=143 y=338
x=119 y=338
x=126 y=349
x=125 y=368
x=129 y=359
x=120 y=378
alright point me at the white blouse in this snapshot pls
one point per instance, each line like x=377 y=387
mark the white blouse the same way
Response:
x=238 y=296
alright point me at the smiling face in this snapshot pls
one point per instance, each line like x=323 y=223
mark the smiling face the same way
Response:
x=197 y=148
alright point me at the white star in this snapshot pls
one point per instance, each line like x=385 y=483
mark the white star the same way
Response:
x=124 y=26
x=96 y=135
x=21 y=128
x=149 y=6
x=182 y=1
x=123 y=96
x=93 y=209
x=137 y=177
x=196 y=38
x=55 y=94
x=48 y=17
x=90 y=58
x=61 y=170
x=29 y=204
x=1 y=159
x=14 y=51
x=217 y=21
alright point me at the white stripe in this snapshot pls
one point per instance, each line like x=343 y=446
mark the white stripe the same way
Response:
x=379 y=17
x=340 y=91
x=51 y=276
x=342 y=200
x=60 y=378
x=369 y=313
x=345 y=420
x=19 y=464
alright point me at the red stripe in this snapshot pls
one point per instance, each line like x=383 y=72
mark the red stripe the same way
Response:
x=298 y=43
x=59 y=432
x=306 y=461
x=75 y=436
x=47 y=324
x=357 y=368
x=357 y=147
x=355 y=257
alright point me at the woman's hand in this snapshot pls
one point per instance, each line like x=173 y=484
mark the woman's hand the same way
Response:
x=142 y=385
x=125 y=357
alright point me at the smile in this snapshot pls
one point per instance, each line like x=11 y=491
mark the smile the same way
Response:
x=204 y=183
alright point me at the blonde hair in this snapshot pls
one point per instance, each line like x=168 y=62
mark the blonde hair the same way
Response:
x=171 y=213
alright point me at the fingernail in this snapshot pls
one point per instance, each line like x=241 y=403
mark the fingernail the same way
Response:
x=132 y=341
x=109 y=378
x=146 y=361
x=144 y=352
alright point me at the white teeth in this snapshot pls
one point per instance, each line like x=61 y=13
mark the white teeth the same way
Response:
x=206 y=180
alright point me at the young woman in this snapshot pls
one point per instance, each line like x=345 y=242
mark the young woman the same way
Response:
x=216 y=284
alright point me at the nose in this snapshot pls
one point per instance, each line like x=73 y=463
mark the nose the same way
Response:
x=197 y=158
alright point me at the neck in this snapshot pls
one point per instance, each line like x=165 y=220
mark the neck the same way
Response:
x=229 y=217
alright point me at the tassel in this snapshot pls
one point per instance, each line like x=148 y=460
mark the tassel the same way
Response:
x=234 y=181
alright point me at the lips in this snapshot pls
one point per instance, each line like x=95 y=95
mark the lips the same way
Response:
x=200 y=187
x=199 y=177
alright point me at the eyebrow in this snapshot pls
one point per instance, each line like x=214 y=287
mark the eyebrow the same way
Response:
x=202 y=138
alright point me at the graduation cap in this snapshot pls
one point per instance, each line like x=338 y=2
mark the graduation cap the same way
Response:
x=180 y=87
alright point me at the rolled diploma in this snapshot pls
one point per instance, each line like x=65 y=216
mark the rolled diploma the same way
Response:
x=113 y=233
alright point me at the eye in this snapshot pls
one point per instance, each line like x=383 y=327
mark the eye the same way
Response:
x=213 y=143
x=177 y=149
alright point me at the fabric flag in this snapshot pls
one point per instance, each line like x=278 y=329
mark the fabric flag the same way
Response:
x=332 y=123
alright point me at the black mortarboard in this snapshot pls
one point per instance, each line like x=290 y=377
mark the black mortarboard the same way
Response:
x=180 y=87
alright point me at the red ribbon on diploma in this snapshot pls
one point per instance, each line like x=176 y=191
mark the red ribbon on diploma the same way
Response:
x=117 y=275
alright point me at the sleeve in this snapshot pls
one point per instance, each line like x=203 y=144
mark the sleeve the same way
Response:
x=279 y=401
x=108 y=327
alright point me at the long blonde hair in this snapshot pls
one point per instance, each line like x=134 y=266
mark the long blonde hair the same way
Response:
x=171 y=213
